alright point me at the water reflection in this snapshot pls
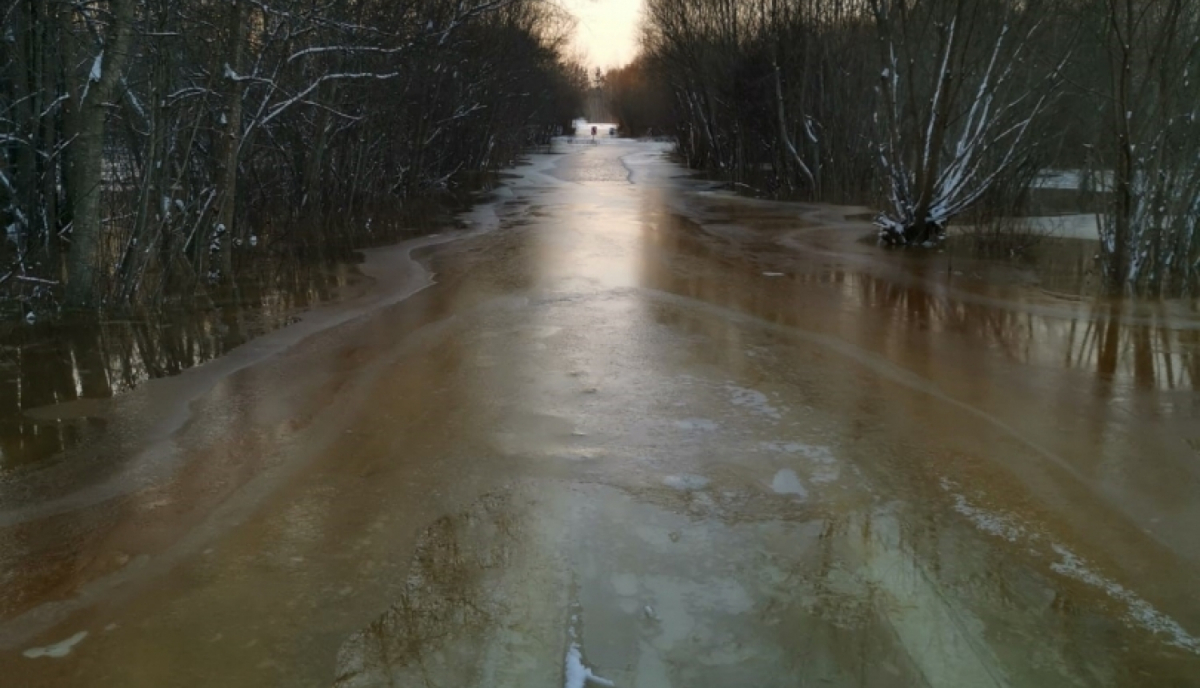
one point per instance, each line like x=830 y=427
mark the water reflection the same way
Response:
x=559 y=355
x=1094 y=392
x=900 y=304
x=56 y=362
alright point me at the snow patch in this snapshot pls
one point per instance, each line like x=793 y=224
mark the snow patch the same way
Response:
x=753 y=400
x=825 y=467
x=577 y=673
x=57 y=650
x=686 y=482
x=787 y=482
x=696 y=424
x=990 y=522
x=1141 y=612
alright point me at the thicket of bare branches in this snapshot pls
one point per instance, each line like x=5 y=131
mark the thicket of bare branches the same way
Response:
x=770 y=93
x=833 y=99
x=962 y=86
x=932 y=108
x=1144 y=78
x=635 y=97
x=154 y=148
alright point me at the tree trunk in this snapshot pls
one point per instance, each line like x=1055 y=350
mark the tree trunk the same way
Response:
x=786 y=138
x=313 y=196
x=86 y=170
x=226 y=210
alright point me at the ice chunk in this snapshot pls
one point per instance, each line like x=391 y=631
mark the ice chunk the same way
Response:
x=57 y=650
x=787 y=482
x=577 y=673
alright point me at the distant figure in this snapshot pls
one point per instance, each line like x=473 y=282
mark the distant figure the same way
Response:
x=593 y=131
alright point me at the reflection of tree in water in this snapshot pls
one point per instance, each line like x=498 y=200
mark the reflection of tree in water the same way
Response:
x=439 y=622
x=903 y=312
x=1148 y=356
x=1109 y=341
x=59 y=362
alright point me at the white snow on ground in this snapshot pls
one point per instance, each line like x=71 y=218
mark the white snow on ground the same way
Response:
x=787 y=482
x=1071 y=565
x=686 y=482
x=1072 y=180
x=584 y=129
x=1000 y=525
x=1082 y=226
x=577 y=673
x=753 y=400
x=57 y=650
x=990 y=522
x=1141 y=612
x=825 y=465
x=696 y=424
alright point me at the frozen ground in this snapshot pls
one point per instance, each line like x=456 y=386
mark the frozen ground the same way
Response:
x=631 y=430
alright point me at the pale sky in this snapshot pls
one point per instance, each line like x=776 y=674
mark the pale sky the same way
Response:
x=607 y=30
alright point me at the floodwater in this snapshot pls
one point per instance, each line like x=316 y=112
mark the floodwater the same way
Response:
x=630 y=430
x=59 y=362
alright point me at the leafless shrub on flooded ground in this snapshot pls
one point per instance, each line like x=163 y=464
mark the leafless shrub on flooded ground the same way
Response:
x=1144 y=81
x=999 y=223
x=962 y=87
x=935 y=102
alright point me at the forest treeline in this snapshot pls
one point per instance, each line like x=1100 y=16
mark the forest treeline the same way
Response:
x=154 y=149
x=929 y=109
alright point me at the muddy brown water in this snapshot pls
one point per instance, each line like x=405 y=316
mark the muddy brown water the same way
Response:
x=59 y=362
x=629 y=424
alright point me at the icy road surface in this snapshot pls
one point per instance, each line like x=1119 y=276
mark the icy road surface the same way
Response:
x=629 y=430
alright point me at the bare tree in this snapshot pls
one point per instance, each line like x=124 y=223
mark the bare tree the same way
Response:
x=108 y=53
x=960 y=91
x=167 y=146
x=769 y=93
x=1149 y=152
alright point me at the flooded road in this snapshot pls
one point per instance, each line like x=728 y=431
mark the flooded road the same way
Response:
x=635 y=431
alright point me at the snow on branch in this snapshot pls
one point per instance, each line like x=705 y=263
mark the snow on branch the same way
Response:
x=958 y=158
